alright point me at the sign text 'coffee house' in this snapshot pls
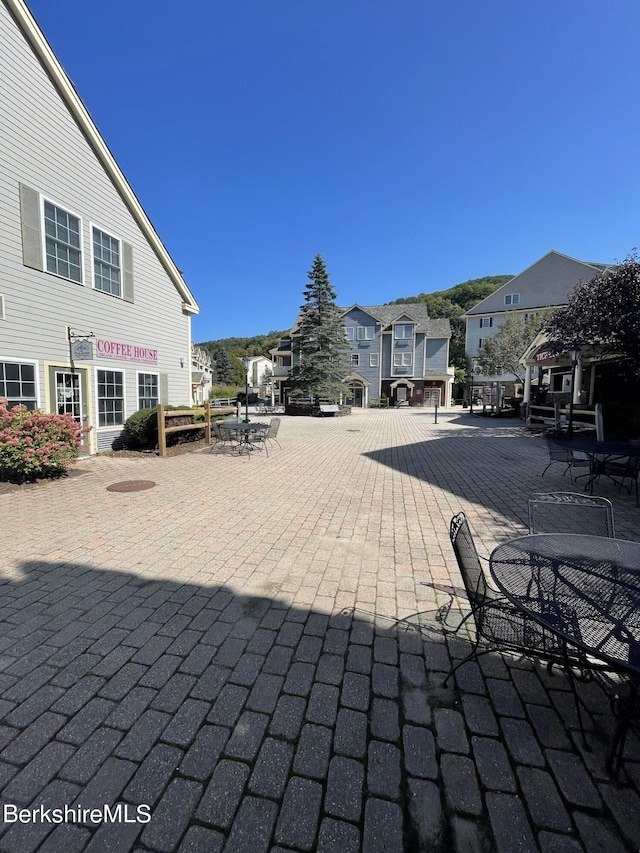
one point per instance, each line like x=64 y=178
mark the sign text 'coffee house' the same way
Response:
x=125 y=352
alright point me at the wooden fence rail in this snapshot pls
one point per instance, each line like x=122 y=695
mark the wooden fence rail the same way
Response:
x=558 y=415
x=165 y=418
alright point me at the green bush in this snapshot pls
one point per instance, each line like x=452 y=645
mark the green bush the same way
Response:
x=223 y=392
x=141 y=428
x=34 y=444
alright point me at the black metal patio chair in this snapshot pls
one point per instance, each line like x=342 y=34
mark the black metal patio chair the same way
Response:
x=498 y=623
x=564 y=456
x=567 y=512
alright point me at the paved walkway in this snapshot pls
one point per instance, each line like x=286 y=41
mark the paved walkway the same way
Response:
x=223 y=649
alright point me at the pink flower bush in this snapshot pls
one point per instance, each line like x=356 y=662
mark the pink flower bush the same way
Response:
x=34 y=444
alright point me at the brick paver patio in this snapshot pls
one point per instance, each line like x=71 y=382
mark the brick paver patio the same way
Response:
x=224 y=648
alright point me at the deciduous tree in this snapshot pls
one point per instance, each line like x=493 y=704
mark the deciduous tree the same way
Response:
x=603 y=313
x=502 y=352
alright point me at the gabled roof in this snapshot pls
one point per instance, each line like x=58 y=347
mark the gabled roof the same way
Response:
x=546 y=283
x=388 y=314
x=64 y=86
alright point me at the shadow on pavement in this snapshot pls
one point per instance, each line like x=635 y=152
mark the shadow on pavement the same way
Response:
x=245 y=723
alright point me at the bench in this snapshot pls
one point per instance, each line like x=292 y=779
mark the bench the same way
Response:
x=329 y=409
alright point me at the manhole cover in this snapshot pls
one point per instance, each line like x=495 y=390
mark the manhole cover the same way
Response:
x=131 y=486
x=353 y=430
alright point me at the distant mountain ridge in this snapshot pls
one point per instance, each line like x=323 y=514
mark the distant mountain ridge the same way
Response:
x=442 y=304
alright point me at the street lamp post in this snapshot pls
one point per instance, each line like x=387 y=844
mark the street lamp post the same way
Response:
x=246 y=363
x=574 y=355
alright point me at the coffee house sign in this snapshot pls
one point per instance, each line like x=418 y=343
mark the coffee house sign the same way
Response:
x=125 y=352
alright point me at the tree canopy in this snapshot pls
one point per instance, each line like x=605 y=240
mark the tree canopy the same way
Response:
x=319 y=341
x=603 y=313
x=502 y=352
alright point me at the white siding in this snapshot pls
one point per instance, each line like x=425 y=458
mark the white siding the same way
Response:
x=44 y=148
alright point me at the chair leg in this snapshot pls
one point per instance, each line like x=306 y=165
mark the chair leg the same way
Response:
x=474 y=653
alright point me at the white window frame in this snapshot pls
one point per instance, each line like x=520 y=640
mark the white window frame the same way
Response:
x=106 y=369
x=355 y=359
x=374 y=359
x=366 y=333
x=349 y=332
x=512 y=299
x=402 y=359
x=404 y=327
x=140 y=373
x=47 y=200
x=33 y=363
x=486 y=322
x=94 y=227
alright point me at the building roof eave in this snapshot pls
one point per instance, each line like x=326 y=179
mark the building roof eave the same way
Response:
x=67 y=91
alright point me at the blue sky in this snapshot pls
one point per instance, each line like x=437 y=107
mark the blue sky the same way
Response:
x=414 y=144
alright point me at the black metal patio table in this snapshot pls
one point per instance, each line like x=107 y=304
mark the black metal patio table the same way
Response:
x=605 y=457
x=243 y=429
x=586 y=589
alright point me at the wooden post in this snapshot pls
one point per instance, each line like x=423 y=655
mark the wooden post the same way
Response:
x=207 y=422
x=162 y=435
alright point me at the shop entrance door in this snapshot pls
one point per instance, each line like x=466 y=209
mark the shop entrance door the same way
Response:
x=432 y=397
x=68 y=390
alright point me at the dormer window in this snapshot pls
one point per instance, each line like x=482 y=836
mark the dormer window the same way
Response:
x=403 y=331
x=512 y=299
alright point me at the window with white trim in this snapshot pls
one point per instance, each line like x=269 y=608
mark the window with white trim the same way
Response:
x=366 y=333
x=110 y=398
x=107 y=263
x=374 y=359
x=148 y=396
x=486 y=322
x=62 y=242
x=18 y=384
x=402 y=332
x=512 y=299
x=349 y=331
x=355 y=359
x=402 y=359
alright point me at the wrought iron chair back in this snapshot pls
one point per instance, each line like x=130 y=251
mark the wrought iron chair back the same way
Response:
x=567 y=512
x=498 y=622
x=564 y=456
x=478 y=590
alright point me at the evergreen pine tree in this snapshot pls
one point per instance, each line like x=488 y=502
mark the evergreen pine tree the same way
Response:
x=224 y=369
x=319 y=342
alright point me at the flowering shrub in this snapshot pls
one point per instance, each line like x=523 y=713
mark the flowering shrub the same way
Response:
x=34 y=444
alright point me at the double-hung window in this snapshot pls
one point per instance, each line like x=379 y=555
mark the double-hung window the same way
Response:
x=403 y=331
x=486 y=322
x=110 y=398
x=147 y=390
x=62 y=242
x=355 y=360
x=402 y=359
x=107 y=263
x=365 y=333
x=18 y=384
x=349 y=331
x=374 y=359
